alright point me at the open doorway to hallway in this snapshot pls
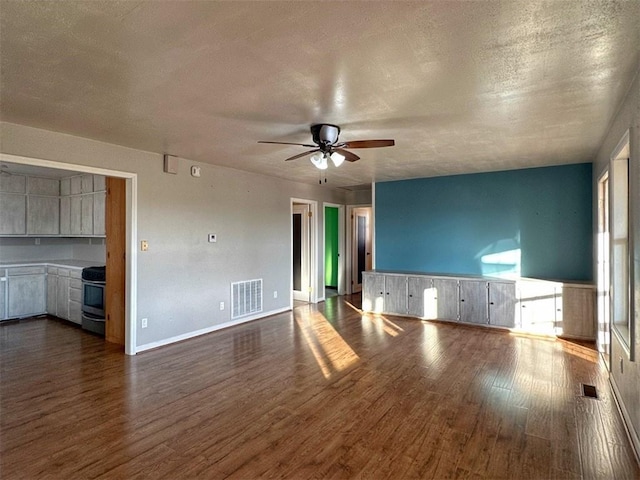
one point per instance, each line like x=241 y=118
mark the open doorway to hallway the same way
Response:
x=303 y=245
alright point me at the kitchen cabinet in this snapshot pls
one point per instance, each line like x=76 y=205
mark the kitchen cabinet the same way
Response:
x=3 y=295
x=473 y=301
x=62 y=293
x=52 y=291
x=75 y=296
x=65 y=187
x=65 y=215
x=502 y=304
x=43 y=186
x=13 y=214
x=86 y=215
x=13 y=184
x=26 y=295
x=43 y=215
x=99 y=209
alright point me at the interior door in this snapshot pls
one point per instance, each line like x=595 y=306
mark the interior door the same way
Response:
x=301 y=252
x=361 y=246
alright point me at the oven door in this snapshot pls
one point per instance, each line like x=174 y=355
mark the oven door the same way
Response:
x=93 y=298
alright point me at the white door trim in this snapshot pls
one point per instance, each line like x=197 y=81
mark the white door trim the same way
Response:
x=313 y=247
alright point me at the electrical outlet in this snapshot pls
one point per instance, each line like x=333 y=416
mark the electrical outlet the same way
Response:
x=213 y=238
x=144 y=245
x=144 y=323
x=275 y=294
x=221 y=305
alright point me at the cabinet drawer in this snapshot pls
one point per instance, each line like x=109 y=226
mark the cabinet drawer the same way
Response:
x=75 y=295
x=26 y=271
x=75 y=283
x=52 y=270
x=76 y=273
x=64 y=272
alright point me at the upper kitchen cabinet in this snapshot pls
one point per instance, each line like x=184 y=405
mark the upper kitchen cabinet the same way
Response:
x=13 y=204
x=41 y=206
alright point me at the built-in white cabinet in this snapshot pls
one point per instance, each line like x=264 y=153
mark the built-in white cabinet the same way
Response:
x=82 y=211
x=52 y=291
x=575 y=318
x=534 y=306
x=99 y=210
x=75 y=296
x=26 y=287
x=473 y=301
x=502 y=303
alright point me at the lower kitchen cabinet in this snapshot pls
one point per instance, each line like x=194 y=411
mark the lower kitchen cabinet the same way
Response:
x=26 y=291
x=3 y=295
x=62 y=293
x=372 y=292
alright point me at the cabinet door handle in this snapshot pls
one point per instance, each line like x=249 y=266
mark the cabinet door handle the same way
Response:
x=490 y=303
x=410 y=296
x=462 y=299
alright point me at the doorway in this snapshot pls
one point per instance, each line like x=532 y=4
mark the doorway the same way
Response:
x=361 y=237
x=604 y=313
x=304 y=278
x=127 y=331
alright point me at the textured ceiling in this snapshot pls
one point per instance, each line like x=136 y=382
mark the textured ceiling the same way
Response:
x=462 y=87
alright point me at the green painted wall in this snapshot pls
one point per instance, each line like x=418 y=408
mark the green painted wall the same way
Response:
x=331 y=247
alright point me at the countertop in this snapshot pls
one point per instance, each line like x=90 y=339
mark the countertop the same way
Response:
x=52 y=263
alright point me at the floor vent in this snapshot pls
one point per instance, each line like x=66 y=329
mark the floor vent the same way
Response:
x=246 y=298
x=589 y=391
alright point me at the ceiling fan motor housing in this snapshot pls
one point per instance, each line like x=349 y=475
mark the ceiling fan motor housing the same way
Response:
x=325 y=133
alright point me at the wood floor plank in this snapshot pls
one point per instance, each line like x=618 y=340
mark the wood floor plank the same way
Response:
x=319 y=392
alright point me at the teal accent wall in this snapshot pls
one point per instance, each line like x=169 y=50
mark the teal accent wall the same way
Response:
x=331 y=247
x=533 y=222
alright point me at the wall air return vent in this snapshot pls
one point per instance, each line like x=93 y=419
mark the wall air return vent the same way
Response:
x=246 y=298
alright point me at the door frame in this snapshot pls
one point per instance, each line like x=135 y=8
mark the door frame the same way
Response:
x=313 y=249
x=351 y=243
x=131 y=280
x=603 y=276
x=341 y=246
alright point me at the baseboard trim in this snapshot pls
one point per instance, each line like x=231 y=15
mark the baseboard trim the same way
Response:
x=204 y=331
x=626 y=419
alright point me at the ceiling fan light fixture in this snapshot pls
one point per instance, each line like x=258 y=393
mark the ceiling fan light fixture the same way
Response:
x=337 y=158
x=319 y=160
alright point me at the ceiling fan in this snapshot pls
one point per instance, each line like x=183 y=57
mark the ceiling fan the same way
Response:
x=325 y=138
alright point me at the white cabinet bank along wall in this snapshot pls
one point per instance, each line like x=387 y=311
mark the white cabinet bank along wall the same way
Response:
x=527 y=305
x=50 y=229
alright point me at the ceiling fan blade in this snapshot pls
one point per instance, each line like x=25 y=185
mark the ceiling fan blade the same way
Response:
x=348 y=156
x=301 y=154
x=368 y=143
x=289 y=143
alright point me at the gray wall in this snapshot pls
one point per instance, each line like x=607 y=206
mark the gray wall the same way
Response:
x=627 y=378
x=182 y=278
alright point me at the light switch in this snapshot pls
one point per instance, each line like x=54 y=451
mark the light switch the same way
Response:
x=144 y=245
x=195 y=171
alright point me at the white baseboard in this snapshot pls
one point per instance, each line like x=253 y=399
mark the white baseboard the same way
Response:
x=197 y=333
x=626 y=419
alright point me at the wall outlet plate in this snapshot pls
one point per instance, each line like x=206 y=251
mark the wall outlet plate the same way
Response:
x=143 y=323
x=195 y=171
x=144 y=245
x=213 y=238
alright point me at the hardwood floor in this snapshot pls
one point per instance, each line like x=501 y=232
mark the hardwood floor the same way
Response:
x=321 y=392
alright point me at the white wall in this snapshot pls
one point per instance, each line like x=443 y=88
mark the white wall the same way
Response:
x=625 y=374
x=182 y=278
